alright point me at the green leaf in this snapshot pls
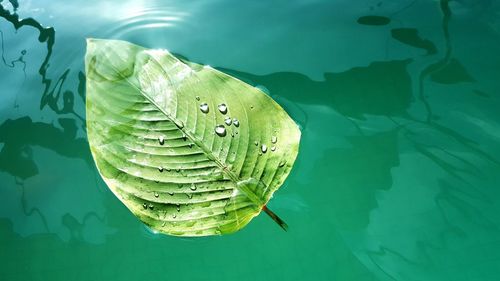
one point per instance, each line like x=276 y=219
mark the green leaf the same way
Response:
x=179 y=168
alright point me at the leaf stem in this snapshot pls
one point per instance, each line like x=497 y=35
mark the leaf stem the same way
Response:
x=275 y=218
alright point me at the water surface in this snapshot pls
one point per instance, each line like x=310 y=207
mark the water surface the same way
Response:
x=398 y=173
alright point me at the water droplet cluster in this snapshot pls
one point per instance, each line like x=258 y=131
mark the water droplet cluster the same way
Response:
x=220 y=130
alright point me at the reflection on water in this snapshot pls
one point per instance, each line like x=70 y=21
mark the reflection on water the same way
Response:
x=411 y=37
x=451 y=73
x=12 y=63
x=353 y=93
x=18 y=136
x=399 y=165
x=22 y=136
x=374 y=20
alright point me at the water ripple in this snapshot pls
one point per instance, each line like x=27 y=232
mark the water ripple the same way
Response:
x=147 y=18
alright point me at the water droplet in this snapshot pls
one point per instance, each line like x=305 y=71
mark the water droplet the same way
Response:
x=198 y=98
x=251 y=107
x=256 y=143
x=171 y=193
x=274 y=139
x=145 y=206
x=151 y=207
x=282 y=163
x=220 y=130
x=236 y=122
x=273 y=148
x=178 y=170
x=222 y=108
x=161 y=139
x=174 y=215
x=192 y=187
x=181 y=124
x=178 y=207
x=160 y=169
x=204 y=107
x=228 y=121
x=263 y=148
x=189 y=195
x=190 y=145
x=157 y=195
x=168 y=169
x=184 y=137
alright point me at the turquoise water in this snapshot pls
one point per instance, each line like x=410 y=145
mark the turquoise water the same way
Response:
x=398 y=172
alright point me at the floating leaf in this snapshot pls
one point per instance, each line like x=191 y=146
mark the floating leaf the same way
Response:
x=179 y=168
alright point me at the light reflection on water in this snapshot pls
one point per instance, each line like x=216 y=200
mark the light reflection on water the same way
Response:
x=397 y=178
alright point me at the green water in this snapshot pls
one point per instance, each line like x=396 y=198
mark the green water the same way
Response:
x=398 y=173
